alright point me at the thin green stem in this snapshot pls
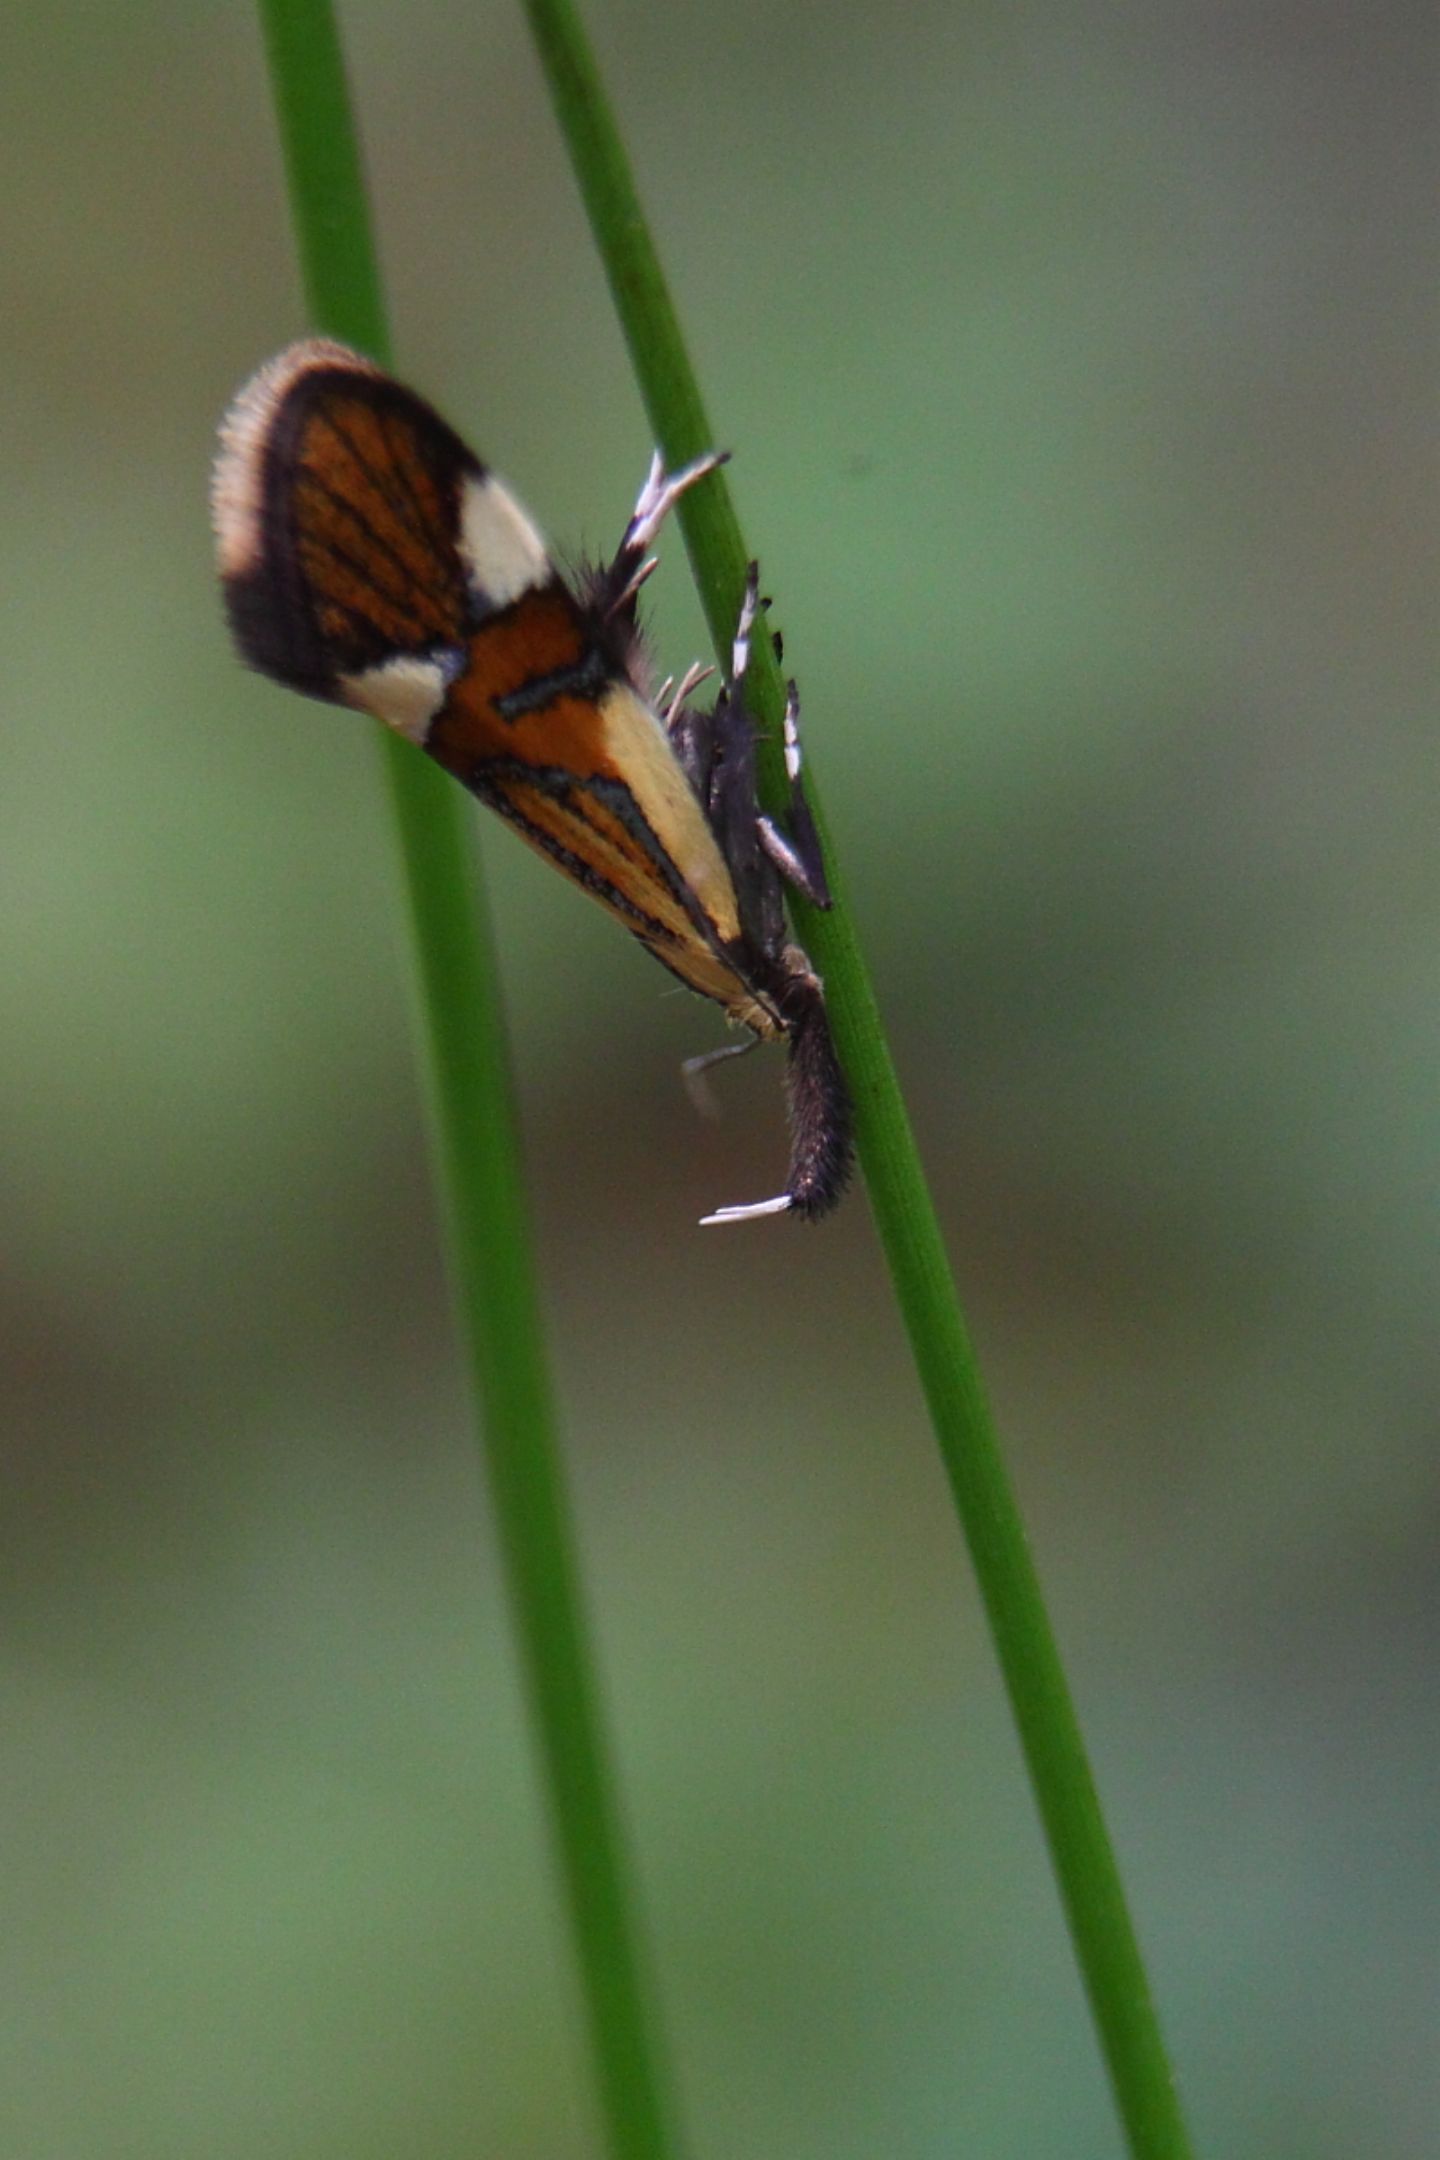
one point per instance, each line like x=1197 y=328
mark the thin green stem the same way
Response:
x=477 y=1160
x=1084 y=1860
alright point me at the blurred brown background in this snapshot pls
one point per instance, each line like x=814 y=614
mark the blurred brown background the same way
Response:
x=1079 y=366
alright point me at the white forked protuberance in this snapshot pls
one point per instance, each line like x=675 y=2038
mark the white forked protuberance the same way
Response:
x=750 y=1211
x=659 y=495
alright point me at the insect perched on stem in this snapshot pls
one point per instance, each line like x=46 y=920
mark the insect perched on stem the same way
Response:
x=370 y=559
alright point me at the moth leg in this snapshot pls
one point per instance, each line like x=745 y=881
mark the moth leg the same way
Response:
x=796 y=854
x=694 y=675
x=730 y=798
x=694 y=1069
x=822 y=1149
x=691 y=732
x=749 y=609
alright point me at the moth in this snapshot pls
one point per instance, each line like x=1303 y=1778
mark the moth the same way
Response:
x=369 y=558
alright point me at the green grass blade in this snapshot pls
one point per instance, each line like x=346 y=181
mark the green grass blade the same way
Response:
x=1084 y=1860
x=479 y=1178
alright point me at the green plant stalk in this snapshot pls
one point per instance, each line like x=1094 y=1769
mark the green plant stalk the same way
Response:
x=1084 y=1861
x=478 y=1173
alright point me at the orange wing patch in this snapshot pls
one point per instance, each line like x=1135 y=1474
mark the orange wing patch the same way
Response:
x=371 y=530
x=527 y=690
x=568 y=822
x=594 y=840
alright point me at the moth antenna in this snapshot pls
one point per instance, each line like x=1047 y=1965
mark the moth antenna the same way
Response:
x=694 y=1071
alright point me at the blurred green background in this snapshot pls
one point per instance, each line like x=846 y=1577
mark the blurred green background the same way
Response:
x=1078 y=366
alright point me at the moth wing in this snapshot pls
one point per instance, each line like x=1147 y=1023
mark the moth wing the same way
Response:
x=360 y=541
